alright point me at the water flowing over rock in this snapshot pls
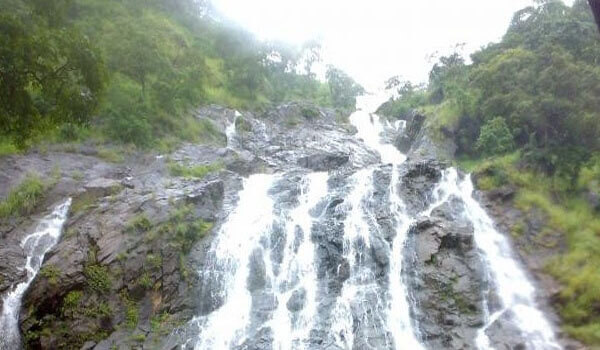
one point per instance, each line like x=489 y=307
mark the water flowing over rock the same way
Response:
x=323 y=235
x=35 y=246
x=371 y=255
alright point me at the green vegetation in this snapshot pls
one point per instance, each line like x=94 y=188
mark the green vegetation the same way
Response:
x=154 y=261
x=83 y=203
x=183 y=229
x=138 y=224
x=145 y=281
x=51 y=273
x=343 y=88
x=71 y=302
x=131 y=312
x=24 y=198
x=526 y=114
x=132 y=71
x=196 y=171
x=97 y=278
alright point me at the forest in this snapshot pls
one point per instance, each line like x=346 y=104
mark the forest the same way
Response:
x=131 y=72
x=525 y=112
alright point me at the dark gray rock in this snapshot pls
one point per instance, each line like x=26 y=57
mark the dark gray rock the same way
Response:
x=323 y=161
x=297 y=300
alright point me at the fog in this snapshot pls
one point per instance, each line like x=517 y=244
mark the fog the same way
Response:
x=373 y=40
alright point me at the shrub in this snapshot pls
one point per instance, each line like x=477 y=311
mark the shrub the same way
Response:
x=71 y=301
x=97 y=278
x=145 y=281
x=197 y=171
x=495 y=137
x=139 y=224
x=24 y=198
x=51 y=273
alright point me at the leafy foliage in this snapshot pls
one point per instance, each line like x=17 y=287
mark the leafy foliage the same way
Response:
x=535 y=92
x=542 y=79
x=343 y=88
x=196 y=171
x=133 y=70
x=97 y=278
x=495 y=137
x=24 y=198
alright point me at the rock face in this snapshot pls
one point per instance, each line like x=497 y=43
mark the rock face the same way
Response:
x=125 y=272
x=447 y=278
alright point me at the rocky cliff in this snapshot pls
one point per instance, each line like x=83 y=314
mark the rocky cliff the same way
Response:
x=127 y=272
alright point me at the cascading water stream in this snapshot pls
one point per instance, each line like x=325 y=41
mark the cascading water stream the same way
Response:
x=247 y=229
x=297 y=273
x=35 y=246
x=510 y=282
x=269 y=234
x=370 y=129
x=228 y=265
x=230 y=131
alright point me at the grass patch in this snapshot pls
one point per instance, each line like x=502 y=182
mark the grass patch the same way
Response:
x=7 y=148
x=50 y=273
x=24 y=198
x=71 y=302
x=138 y=224
x=197 y=171
x=154 y=261
x=97 y=278
x=145 y=281
x=132 y=314
x=83 y=203
x=111 y=155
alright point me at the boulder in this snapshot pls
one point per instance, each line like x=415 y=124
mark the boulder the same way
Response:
x=323 y=161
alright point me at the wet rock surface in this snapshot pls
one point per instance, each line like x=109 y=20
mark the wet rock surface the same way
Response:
x=137 y=236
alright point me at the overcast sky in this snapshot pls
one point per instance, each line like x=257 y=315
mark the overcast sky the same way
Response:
x=375 y=39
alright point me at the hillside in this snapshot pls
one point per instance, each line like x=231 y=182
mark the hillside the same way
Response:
x=525 y=116
x=131 y=72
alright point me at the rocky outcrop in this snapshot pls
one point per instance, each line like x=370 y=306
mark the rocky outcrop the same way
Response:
x=123 y=273
x=447 y=280
x=323 y=161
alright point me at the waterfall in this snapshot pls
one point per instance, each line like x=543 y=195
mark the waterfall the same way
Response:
x=266 y=289
x=370 y=129
x=509 y=281
x=298 y=274
x=228 y=265
x=35 y=246
x=230 y=130
x=250 y=228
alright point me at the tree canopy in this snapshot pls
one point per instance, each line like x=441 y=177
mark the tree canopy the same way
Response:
x=132 y=70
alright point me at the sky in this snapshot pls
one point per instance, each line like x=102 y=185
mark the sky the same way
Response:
x=376 y=39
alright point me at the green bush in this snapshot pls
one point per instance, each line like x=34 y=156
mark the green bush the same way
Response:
x=495 y=137
x=97 y=278
x=51 y=273
x=138 y=224
x=196 y=171
x=24 y=198
x=71 y=301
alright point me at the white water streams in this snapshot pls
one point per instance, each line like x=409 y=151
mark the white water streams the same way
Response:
x=35 y=246
x=247 y=224
x=370 y=129
x=248 y=228
x=230 y=131
x=297 y=272
x=276 y=237
x=511 y=284
x=356 y=243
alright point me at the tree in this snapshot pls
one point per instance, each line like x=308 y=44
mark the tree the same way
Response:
x=343 y=88
x=48 y=76
x=495 y=137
